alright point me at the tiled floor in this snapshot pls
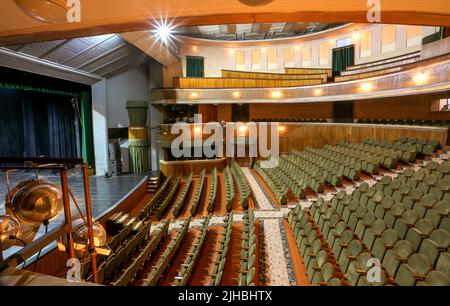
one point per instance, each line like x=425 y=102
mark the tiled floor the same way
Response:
x=261 y=199
x=279 y=260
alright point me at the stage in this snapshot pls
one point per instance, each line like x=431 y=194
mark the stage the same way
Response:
x=106 y=193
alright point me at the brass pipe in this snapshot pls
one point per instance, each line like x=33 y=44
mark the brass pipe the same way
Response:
x=67 y=211
x=87 y=196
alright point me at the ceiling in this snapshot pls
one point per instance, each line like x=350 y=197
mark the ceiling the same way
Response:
x=101 y=55
x=254 y=31
x=106 y=16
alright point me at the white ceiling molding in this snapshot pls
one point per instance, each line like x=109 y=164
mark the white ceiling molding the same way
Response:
x=24 y=62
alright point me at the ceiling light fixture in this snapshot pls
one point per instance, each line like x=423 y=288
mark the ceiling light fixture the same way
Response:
x=51 y=11
x=236 y=95
x=420 y=78
x=365 y=87
x=276 y=94
x=255 y=2
x=317 y=92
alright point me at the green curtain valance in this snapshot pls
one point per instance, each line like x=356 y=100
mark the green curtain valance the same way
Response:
x=37 y=89
x=137 y=112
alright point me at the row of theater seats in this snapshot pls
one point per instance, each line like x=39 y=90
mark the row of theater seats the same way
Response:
x=211 y=83
x=412 y=144
x=368 y=70
x=198 y=192
x=402 y=224
x=180 y=201
x=212 y=190
x=130 y=239
x=242 y=184
x=148 y=208
x=163 y=203
x=314 y=168
x=151 y=278
x=293 y=77
x=136 y=253
x=437 y=123
x=193 y=255
x=221 y=255
x=159 y=204
x=248 y=253
x=229 y=188
x=299 y=75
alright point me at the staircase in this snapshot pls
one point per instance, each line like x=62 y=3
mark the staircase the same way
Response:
x=153 y=184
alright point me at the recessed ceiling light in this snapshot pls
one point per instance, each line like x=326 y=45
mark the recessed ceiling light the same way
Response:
x=420 y=78
x=276 y=94
x=255 y=2
x=366 y=87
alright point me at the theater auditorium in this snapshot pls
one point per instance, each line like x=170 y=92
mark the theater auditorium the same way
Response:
x=224 y=143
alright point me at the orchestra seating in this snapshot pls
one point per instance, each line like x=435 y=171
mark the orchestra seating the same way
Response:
x=248 y=254
x=312 y=168
x=402 y=222
x=439 y=123
x=222 y=252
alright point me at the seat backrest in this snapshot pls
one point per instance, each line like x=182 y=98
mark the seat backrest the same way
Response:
x=424 y=226
x=441 y=238
x=403 y=249
x=420 y=264
x=437 y=278
x=378 y=227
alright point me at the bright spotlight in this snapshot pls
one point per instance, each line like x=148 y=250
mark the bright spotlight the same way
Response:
x=163 y=31
x=317 y=92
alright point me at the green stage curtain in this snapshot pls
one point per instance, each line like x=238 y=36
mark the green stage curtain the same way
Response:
x=195 y=67
x=139 y=155
x=434 y=37
x=87 y=136
x=137 y=112
x=342 y=58
x=87 y=141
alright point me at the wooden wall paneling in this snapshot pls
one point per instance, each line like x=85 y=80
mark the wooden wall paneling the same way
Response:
x=292 y=111
x=224 y=112
x=199 y=83
x=176 y=168
x=416 y=107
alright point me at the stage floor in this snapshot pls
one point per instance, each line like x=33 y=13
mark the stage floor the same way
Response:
x=105 y=193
